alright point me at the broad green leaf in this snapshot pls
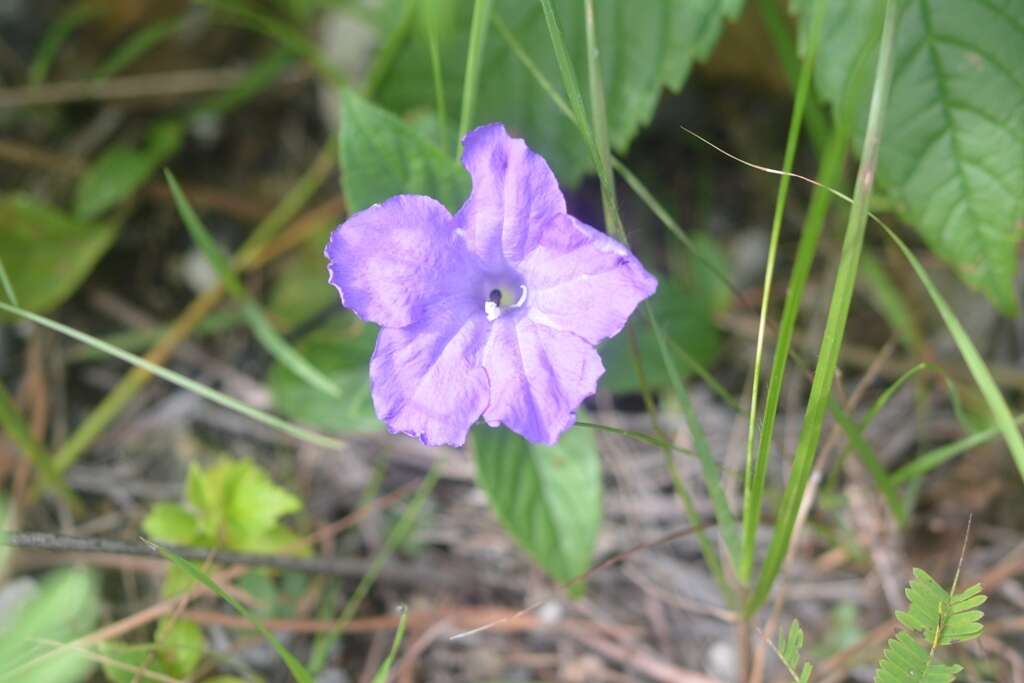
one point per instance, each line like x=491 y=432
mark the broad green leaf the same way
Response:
x=170 y=523
x=181 y=646
x=64 y=608
x=645 y=47
x=381 y=156
x=953 y=156
x=341 y=349
x=547 y=497
x=47 y=253
x=121 y=169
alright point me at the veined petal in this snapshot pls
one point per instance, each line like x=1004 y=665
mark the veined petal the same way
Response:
x=390 y=261
x=538 y=377
x=583 y=281
x=514 y=196
x=426 y=379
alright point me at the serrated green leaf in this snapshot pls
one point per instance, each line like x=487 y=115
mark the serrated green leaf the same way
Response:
x=171 y=523
x=122 y=169
x=547 y=497
x=341 y=349
x=645 y=47
x=47 y=252
x=952 y=159
x=255 y=503
x=381 y=156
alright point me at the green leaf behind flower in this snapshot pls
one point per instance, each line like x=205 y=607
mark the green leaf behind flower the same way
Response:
x=381 y=155
x=645 y=47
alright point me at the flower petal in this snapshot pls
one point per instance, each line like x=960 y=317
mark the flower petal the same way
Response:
x=539 y=376
x=583 y=281
x=514 y=196
x=426 y=378
x=390 y=261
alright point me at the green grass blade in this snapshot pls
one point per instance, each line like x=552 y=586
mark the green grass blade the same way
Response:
x=855 y=435
x=177 y=379
x=278 y=29
x=295 y=667
x=724 y=518
x=752 y=514
x=136 y=45
x=778 y=28
x=18 y=431
x=599 y=120
x=636 y=436
x=839 y=308
x=385 y=668
x=429 y=17
x=117 y=398
x=5 y=282
x=474 y=63
x=388 y=52
x=975 y=364
x=269 y=338
x=55 y=37
x=929 y=460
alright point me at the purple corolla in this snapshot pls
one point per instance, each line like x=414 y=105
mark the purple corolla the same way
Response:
x=492 y=312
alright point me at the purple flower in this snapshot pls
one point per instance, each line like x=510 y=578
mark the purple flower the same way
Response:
x=492 y=312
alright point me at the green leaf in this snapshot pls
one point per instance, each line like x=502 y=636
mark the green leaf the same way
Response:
x=381 y=156
x=255 y=503
x=171 y=523
x=547 y=497
x=951 y=161
x=181 y=646
x=64 y=608
x=645 y=47
x=122 y=169
x=341 y=349
x=54 y=251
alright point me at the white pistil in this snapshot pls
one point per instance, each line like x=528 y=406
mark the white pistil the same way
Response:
x=491 y=310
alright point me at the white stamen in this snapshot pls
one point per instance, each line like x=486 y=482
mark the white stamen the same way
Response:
x=492 y=310
x=522 y=297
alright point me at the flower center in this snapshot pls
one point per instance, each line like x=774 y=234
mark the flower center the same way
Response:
x=503 y=298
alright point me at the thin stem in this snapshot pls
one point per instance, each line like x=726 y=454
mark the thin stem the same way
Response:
x=474 y=63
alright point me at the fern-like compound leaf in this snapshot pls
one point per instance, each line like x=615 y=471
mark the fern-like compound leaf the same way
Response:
x=907 y=661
